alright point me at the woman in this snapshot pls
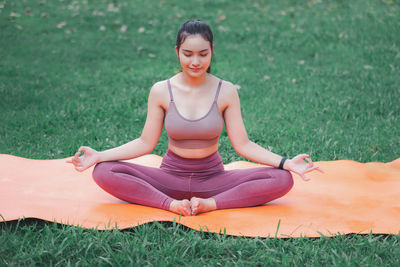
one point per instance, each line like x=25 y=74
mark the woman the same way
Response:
x=194 y=105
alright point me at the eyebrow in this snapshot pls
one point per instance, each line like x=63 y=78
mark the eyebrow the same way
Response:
x=186 y=50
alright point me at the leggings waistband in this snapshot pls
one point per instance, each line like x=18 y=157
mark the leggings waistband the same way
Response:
x=202 y=166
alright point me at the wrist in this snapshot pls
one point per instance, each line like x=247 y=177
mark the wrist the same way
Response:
x=286 y=164
x=100 y=157
x=282 y=162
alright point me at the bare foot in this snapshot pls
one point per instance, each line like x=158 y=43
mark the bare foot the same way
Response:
x=180 y=207
x=200 y=205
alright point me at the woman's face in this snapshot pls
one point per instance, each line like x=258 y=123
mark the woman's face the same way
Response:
x=195 y=55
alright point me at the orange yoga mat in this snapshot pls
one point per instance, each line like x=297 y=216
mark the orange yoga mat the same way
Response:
x=350 y=197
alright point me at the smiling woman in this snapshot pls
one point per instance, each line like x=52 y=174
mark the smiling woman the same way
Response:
x=205 y=46
x=195 y=55
x=193 y=105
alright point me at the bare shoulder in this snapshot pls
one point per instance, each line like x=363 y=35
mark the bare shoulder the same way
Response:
x=159 y=93
x=229 y=88
x=159 y=88
x=228 y=93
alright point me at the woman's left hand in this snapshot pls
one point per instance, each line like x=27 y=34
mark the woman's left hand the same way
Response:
x=301 y=164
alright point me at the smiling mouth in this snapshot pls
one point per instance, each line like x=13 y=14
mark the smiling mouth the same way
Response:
x=195 y=69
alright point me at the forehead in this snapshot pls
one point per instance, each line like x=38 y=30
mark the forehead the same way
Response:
x=195 y=42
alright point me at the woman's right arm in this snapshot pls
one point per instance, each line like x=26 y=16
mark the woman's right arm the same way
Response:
x=143 y=145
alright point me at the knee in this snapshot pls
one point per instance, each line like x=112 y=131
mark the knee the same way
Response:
x=286 y=180
x=100 y=171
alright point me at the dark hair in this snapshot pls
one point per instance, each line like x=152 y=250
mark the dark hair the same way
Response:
x=191 y=27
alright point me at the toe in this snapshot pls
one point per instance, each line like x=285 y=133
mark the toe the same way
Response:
x=186 y=207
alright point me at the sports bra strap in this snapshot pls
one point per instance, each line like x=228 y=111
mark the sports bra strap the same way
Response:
x=217 y=94
x=170 y=91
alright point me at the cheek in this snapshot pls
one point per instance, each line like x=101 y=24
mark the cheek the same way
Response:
x=206 y=60
x=184 y=60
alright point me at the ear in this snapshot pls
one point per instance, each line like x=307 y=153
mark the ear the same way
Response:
x=176 y=51
x=212 y=50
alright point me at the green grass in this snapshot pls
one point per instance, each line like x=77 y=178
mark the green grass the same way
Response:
x=36 y=242
x=321 y=77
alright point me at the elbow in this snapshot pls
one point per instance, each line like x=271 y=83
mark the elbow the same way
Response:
x=147 y=146
x=240 y=147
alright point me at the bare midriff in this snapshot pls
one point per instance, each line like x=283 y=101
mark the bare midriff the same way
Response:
x=196 y=153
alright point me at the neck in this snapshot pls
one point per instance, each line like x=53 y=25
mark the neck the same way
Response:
x=194 y=81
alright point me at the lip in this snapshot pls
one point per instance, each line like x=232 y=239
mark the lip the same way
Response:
x=195 y=69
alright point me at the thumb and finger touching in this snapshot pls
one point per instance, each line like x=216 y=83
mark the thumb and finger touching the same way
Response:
x=307 y=166
x=77 y=159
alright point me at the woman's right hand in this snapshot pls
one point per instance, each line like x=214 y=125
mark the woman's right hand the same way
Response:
x=88 y=159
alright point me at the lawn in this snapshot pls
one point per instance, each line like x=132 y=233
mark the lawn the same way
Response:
x=317 y=77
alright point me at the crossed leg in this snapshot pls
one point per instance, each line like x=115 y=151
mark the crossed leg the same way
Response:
x=158 y=188
x=140 y=184
x=240 y=188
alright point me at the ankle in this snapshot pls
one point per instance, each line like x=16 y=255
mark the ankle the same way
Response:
x=212 y=203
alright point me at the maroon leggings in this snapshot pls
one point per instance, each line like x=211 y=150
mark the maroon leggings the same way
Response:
x=182 y=178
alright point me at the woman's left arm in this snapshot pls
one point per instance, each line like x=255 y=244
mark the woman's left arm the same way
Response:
x=244 y=147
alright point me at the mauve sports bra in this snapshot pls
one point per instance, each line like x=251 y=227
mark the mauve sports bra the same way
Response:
x=198 y=133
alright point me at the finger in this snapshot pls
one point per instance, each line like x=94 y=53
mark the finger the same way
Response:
x=311 y=169
x=80 y=169
x=76 y=156
x=305 y=178
x=320 y=170
x=72 y=162
x=302 y=156
x=83 y=149
x=77 y=163
x=308 y=160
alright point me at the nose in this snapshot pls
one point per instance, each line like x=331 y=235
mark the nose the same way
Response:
x=196 y=60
